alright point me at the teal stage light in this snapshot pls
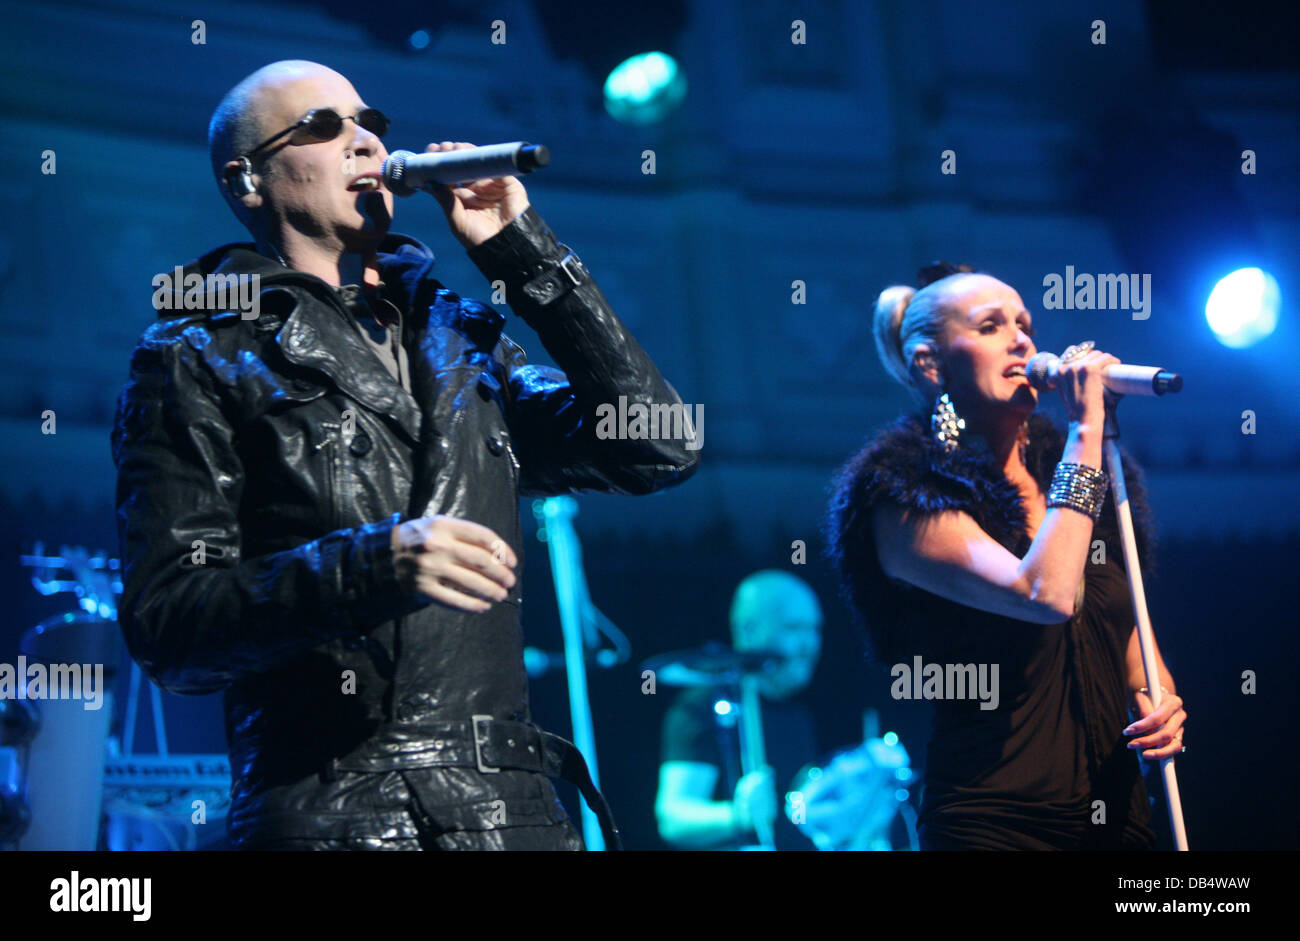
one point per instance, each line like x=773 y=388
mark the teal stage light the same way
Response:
x=644 y=88
x=1242 y=309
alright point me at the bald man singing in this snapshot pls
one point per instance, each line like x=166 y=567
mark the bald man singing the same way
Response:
x=319 y=481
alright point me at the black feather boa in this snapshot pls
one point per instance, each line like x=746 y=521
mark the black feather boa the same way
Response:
x=903 y=464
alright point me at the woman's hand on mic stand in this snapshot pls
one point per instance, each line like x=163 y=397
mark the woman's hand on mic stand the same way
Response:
x=1159 y=733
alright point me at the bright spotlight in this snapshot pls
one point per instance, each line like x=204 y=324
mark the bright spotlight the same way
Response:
x=1242 y=308
x=644 y=88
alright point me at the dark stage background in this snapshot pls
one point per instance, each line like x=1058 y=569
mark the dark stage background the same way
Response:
x=818 y=163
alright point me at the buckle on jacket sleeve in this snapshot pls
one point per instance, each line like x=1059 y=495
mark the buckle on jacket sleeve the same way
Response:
x=554 y=283
x=480 y=739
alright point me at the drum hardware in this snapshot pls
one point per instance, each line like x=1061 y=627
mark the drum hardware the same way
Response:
x=849 y=802
x=717 y=665
x=139 y=799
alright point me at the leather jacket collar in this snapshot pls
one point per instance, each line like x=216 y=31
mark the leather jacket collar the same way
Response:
x=320 y=336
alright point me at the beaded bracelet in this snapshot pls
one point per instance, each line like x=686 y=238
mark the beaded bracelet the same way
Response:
x=1078 y=487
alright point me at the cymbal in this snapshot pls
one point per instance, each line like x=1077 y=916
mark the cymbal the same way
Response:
x=709 y=665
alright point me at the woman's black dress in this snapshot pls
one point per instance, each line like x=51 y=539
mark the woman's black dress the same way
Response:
x=1029 y=774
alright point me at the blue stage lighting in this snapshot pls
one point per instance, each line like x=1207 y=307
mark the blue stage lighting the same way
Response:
x=419 y=39
x=1242 y=309
x=644 y=88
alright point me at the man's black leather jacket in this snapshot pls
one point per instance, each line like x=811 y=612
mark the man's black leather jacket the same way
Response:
x=262 y=464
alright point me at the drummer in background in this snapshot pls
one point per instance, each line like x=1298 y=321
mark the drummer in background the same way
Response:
x=703 y=801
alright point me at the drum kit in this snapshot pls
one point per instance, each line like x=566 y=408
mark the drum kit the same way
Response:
x=70 y=778
x=850 y=801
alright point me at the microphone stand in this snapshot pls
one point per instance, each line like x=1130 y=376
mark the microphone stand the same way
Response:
x=557 y=531
x=1146 y=637
x=753 y=752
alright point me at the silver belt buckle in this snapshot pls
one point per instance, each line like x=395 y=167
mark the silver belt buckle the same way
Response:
x=478 y=745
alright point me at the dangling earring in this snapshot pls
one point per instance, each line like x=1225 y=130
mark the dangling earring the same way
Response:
x=945 y=424
x=1024 y=443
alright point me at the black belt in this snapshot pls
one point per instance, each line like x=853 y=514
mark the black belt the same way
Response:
x=488 y=744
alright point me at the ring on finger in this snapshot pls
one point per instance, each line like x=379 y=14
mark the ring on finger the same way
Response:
x=1076 y=350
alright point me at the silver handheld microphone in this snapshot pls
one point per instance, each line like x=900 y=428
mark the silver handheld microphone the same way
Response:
x=1120 y=378
x=405 y=173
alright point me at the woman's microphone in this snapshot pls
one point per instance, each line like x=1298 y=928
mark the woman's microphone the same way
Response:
x=406 y=173
x=1120 y=378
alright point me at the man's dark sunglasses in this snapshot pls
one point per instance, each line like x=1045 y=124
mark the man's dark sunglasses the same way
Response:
x=325 y=124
